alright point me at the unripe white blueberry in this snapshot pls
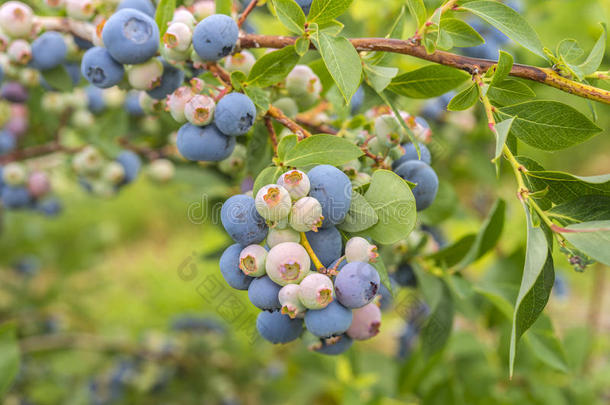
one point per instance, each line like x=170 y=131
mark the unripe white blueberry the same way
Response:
x=277 y=236
x=14 y=174
x=235 y=162
x=83 y=119
x=377 y=147
x=178 y=36
x=358 y=249
x=241 y=61
x=316 y=291
x=88 y=161
x=306 y=215
x=113 y=172
x=80 y=9
x=296 y=183
x=388 y=130
x=173 y=55
x=291 y=304
x=20 y=51
x=302 y=80
x=16 y=19
x=114 y=97
x=176 y=103
x=161 y=170
x=53 y=101
x=273 y=202
x=149 y=104
x=29 y=77
x=39 y=184
x=252 y=260
x=366 y=322
x=199 y=110
x=182 y=15
x=287 y=263
x=76 y=99
x=150 y=124
x=145 y=76
x=203 y=9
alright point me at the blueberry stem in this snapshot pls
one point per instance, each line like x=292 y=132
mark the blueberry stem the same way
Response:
x=316 y=262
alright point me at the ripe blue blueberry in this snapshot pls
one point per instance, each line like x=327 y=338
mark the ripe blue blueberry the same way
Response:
x=145 y=6
x=357 y=100
x=48 y=51
x=132 y=103
x=334 y=346
x=305 y=5
x=242 y=222
x=385 y=295
x=215 y=37
x=263 y=293
x=95 y=99
x=171 y=79
x=337 y=267
x=82 y=43
x=405 y=276
x=14 y=197
x=356 y=284
x=100 y=69
x=131 y=36
x=7 y=142
x=131 y=164
x=49 y=207
x=73 y=70
x=229 y=267
x=426 y=179
x=326 y=244
x=411 y=154
x=366 y=322
x=195 y=323
x=332 y=188
x=235 y=114
x=332 y=320
x=204 y=143
x=278 y=328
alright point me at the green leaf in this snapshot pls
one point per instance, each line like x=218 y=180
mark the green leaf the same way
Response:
x=395 y=210
x=536 y=285
x=563 y=187
x=273 y=67
x=331 y=28
x=290 y=15
x=593 y=238
x=259 y=152
x=237 y=80
x=9 y=357
x=502 y=130
x=443 y=207
x=259 y=97
x=428 y=81
x=269 y=175
x=462 y=34
x=503 y=68
x=417 y=8
x=437 y=329
x=464 y=99
x=342 y=62
x=58 y=78
x=286 y=143
x=569 y=50
x=509 y=22
x=451 y=255
x=594 y=59
x=444 y=40
x=583 y=209
x=488 y=236
x=545 y=344
x=510 y=92
x=322 y=149
x=402 y=123
x=301 y=46
x=224 y=7
x=379 y=76
x=383 y=275
x=322 y=11
x=164 y=14
x=549 y=125
x=360 y=216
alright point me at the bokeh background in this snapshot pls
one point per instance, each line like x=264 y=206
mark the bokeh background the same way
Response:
x=120 y=301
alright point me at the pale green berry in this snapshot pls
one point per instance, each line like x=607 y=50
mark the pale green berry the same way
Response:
x=316 y=291
x=358 y=249
x=288 y=106
x=14 y=174
x=113 y=172
x=241 y=61
x=88 y=161
x=306 y=215
x=235 y=162
x=83 y=119
x=287 y=263
x=173 y=55
x=161 y=170
x=277 y=236
x=252 y=260
x=114 y=97
x=273 y=202
x=178 y=37
x=291 y=304
x=296 y=183
x=145 y=76
x=182 y=15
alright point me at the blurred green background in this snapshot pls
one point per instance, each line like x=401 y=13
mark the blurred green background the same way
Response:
x=95 y=321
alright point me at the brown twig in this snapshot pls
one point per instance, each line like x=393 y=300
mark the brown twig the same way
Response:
x=280 y=117
x=272 y=134
x=219 y=73
x=246 y=13
x=150 y=153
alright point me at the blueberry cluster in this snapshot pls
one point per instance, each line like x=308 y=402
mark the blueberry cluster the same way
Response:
x=23 y=189
x=303 y=275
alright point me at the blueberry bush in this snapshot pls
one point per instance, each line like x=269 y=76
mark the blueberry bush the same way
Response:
x=392 y=197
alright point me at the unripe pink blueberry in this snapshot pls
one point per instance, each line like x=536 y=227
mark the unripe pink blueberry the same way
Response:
x=273 y=202
x=291 y=304
x=20 y=51
x=296 y=183
x=16 y=19
x=178 y=36
x=199 y=110
x=306 y=215
x=252 y=260
x=366 y=322
x=287 y=263
x=358 y=249
x=277 y=236
x=113 y=173
x=15 y=174
x=182 y=15
x=176 y=103
x=54 y=3
x=316 y=291
x=241 y=61
x=161 y=170
x=39 y=184
x=145 y=76
x=80 y=9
